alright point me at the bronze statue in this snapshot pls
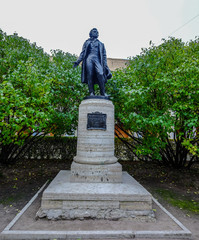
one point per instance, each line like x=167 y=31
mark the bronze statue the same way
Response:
x=94 y=65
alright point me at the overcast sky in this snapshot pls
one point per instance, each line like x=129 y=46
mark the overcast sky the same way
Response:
x=125 y=26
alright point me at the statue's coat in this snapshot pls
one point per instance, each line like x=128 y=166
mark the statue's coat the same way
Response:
x=103 y=61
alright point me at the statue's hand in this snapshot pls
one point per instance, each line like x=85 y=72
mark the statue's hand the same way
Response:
x=109 y=76
x=75 y=64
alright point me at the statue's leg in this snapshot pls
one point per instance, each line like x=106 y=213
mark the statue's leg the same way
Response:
x=100 y=77
x=89 y=75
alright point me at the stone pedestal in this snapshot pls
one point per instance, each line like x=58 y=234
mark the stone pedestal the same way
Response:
x=108 y=173
x=95 y=187
x=95 y=160
x=65 y=200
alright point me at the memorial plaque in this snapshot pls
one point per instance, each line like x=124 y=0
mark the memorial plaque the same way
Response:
x=96 y=120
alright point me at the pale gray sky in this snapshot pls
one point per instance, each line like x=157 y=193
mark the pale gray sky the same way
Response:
x=125 y=26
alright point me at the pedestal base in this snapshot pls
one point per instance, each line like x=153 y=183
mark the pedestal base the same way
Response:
x=108 y=173
x=65 y=200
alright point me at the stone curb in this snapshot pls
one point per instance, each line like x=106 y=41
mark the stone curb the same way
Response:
x=8 y=234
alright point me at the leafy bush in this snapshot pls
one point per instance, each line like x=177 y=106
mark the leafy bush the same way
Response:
x=157 y=95
x=39 y=94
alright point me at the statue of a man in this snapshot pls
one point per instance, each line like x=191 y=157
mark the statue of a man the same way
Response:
x=94 y=65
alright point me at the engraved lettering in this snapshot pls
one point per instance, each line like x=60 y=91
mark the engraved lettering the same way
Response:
x=96 y=121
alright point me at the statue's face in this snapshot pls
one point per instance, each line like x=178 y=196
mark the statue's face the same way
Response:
x=94 y=33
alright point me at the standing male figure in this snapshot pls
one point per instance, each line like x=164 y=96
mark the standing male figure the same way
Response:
x=94 y=66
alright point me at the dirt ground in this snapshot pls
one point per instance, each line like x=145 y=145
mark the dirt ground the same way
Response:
x=19 y=182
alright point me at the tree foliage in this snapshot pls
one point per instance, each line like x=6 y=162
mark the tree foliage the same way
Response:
x=39 y=94
x=155 y=97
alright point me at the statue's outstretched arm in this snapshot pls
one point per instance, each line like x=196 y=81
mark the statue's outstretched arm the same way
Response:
x=81 y=56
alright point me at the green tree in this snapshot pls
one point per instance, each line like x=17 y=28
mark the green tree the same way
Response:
x=67 y=92
x=39 y=94
x=157 y=95
x=24 y=109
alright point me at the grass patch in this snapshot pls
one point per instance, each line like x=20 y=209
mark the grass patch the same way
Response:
x=178 y=200
x=7 y=200
x=11 y=199
x=1 y=175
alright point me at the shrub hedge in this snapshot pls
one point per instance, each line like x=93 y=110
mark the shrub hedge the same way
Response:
x=64 y=148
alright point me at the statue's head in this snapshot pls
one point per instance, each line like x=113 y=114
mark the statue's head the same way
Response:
x=94 y=33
